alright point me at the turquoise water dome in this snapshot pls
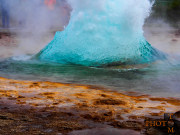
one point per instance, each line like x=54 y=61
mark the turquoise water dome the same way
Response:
x=103 y=32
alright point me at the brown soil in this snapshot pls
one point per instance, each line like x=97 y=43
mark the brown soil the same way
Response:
x=172 y=101
x=49 y=108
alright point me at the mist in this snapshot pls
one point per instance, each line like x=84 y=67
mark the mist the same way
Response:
x=161 y=28
x=34 y=25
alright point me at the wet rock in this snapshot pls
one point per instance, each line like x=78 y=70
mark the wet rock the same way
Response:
x=47 y=130
x=105 y=95
x=25 y=118
x=127 y=125
x=48 y=93
x=82 y=105
x=126 y=111
x=98 y=117
x=95 y=118
x=64 y=125
x=140 y=100
x=108 y=113
x=172 y=101
x=19 y=102
x=157 y=114
x=50 y=97
x=20 y=96
x=5 y=122
x=34 y=85
x=152 y=131
x=3 y=117
x=109 y=101
x=55 y=103
x=6 y=116
x=119 y=117
x=59 y=134
x=59 y=114
x=177 y=114
x=12 y=98
x=134 y=117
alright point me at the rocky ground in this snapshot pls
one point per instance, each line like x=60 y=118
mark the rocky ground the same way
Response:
x=54 y=108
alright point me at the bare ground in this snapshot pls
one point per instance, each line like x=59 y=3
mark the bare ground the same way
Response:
x=50 y=108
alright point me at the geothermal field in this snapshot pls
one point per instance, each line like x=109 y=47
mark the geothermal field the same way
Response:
x=112 y=69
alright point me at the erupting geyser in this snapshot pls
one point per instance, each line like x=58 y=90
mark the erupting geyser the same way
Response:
x=103 y=32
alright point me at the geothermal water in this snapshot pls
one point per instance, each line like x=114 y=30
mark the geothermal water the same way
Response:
x=101 y=33
x=102 y=45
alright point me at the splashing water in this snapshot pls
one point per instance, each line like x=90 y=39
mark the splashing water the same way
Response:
x=103 y=32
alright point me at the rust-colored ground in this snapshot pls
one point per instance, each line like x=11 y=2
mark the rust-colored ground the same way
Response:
x=50 y=108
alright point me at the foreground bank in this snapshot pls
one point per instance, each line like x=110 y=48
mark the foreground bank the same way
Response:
x=28 y=107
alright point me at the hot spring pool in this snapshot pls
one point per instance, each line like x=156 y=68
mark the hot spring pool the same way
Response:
x=158 y=79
